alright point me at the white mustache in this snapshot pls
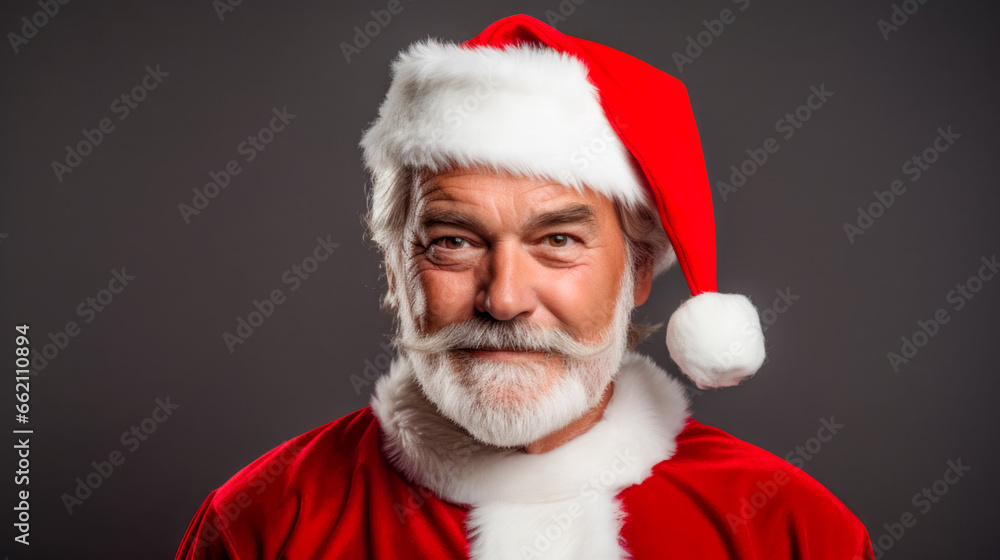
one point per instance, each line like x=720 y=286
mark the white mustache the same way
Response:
x=520 y=335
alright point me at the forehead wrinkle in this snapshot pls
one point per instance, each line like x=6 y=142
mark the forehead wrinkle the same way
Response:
x=433 y=184
x=433 y=190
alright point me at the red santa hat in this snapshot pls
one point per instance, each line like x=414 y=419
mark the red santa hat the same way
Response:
x=523 y=97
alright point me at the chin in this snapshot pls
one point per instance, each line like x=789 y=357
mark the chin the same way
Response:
x=506 y=380
x=513 y=402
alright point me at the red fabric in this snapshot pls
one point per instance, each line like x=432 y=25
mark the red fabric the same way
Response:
x=331 y=494
x=650 y=111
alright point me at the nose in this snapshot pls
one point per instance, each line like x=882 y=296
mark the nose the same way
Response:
x=507 y=285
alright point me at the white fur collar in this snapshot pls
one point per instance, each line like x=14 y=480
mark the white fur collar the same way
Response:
x=559 y=504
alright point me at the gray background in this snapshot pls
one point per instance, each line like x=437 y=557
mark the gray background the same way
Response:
x=162 y=335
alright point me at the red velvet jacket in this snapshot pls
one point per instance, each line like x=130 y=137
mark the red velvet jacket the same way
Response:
x=331 y=493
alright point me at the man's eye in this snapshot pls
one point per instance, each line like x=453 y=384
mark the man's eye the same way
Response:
x=458 y=242
x=559 y=240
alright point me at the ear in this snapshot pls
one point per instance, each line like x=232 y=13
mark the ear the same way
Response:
x=643 y=281
x=390 y=295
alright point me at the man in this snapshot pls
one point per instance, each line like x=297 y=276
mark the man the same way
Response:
x=527 y=188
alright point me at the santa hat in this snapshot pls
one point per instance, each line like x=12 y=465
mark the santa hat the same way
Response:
x=522 y=97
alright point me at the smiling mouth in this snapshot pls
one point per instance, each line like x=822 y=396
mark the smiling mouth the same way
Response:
x=498 y=351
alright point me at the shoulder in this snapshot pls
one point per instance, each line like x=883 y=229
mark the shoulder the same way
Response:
x=326 y=451
x=261 y=503
x=752 y=475
x=753 y=494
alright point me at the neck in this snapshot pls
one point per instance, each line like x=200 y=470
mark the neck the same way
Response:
x=575 y=428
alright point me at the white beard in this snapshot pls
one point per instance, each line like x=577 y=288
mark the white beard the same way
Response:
x=514 y=403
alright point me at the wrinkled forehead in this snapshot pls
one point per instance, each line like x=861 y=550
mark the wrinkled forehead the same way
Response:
x=429 y=185
x=530 y=202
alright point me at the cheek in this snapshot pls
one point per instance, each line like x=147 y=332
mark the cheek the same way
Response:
x=582 y=300
x=450 y=296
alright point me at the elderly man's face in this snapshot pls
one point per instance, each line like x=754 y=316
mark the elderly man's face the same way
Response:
x=523 y=303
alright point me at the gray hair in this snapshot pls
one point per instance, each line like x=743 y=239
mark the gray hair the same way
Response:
x=646 y=243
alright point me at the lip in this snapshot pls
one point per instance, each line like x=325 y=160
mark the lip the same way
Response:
x=504 y=352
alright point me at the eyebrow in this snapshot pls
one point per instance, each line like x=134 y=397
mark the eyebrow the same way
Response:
x=576 y=214
x=582 y=214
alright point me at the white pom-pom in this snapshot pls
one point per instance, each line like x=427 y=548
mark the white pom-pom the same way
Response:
x=716 y=339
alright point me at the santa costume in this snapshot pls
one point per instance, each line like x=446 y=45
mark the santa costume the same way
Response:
x=398 y=480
